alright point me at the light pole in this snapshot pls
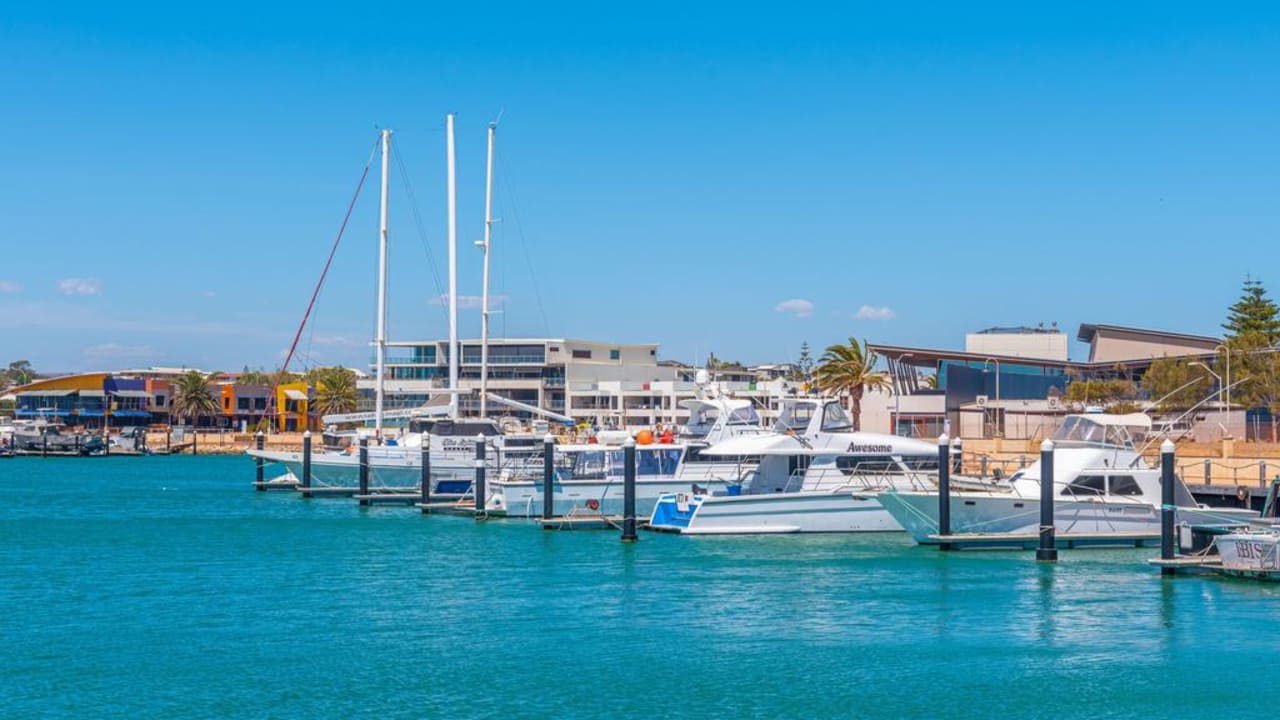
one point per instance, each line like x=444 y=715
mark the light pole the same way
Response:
x=999 y=429
x=1221 y=386
x=897 y=390
x=1227 y=352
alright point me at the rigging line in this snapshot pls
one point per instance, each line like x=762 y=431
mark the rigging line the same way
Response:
x=364 y=175
x=422 y=233
x=515 y=213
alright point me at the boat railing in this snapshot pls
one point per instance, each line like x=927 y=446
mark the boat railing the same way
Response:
x=871 y=477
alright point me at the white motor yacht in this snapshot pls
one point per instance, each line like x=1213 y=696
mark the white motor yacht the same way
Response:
x=1100 y=481
x=588 y=478
x=815 y=474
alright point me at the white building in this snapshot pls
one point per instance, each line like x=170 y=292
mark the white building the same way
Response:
x=1022 y=342
x=610 y=385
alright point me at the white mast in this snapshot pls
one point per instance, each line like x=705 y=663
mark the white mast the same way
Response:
x=453 y=271
x=380 y=340
x=484 y=292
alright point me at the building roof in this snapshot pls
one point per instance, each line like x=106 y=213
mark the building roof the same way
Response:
x=1089 y=330
x=927 y=357
x=1021 y=330
x=930 y=356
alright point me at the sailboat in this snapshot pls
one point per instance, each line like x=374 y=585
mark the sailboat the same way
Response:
x=398 y=462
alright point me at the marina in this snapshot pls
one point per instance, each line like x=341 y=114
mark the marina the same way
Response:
x=187 y=566
x=705 y=361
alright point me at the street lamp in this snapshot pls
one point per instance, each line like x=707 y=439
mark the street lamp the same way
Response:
x=999 y=430
x=1227 y=352
x=897 y=390
x=1221 y=386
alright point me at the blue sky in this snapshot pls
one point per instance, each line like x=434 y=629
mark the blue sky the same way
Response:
x=171 y=178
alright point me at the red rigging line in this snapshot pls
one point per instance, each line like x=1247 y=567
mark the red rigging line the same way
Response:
x=275 y=382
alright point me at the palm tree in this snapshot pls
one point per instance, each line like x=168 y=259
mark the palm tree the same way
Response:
x=193 y=396
x=849 y=370
x=335 y=391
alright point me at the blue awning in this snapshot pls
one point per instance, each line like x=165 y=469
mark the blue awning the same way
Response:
x=38 y=413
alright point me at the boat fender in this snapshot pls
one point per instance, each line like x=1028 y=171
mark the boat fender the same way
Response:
x=1242 y=493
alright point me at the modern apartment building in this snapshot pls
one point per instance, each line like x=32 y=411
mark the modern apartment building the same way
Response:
x=609 y=385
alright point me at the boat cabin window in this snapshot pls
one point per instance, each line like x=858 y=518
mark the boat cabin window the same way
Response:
x=850 y=464
x=921 y=462
x=603 y=464
x=1086 y=485
x=835 y=419
x=795 y=417
x=593 y=465
x=1124 y=485
x=656 y=462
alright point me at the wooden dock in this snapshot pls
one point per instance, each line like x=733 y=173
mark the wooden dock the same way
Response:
x=1031 y=540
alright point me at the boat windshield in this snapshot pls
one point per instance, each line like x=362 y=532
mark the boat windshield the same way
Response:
x=835 y=419
x=701 y=421
x=1078 y=430
x=795 y=417
x=745 y=416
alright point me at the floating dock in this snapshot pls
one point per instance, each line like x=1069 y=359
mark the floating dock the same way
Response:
x=582 y=522
x=1031 y=540
x=354 y=492
x=1189 y=564
x=456 y=506
x=277 y=485
x=391 y=496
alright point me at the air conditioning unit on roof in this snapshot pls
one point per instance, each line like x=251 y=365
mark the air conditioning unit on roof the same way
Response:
x=981 y=400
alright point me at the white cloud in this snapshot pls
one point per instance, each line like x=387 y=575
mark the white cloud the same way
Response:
x=336 y=341
x=79 y=286
x=798 y=307
x=9 y=286
x=871 y=312
x=116 y=350
x=472 y=302
x=210 y=293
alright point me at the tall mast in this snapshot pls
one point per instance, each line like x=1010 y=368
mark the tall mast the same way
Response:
x=381 y=339
x=484 y=291
x=453 y=271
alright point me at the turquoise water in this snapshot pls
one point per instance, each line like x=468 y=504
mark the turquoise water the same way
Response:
x=167 y=587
